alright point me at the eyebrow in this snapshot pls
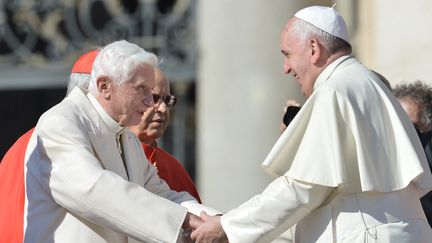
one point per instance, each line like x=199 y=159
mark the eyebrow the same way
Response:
x=285 y=53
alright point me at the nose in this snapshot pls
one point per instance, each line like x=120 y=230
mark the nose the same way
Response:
x=160 y=106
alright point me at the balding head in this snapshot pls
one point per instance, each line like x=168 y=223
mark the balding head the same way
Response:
x=161 y=83
x=155 y=121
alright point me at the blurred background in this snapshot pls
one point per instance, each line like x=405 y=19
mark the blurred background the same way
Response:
x=222 y=58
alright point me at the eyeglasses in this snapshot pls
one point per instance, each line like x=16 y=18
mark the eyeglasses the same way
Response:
x=169 y=100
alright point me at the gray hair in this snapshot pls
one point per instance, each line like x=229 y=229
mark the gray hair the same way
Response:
x=304 y=31
x=420 y=93
x=81 y=80
x=119 y=61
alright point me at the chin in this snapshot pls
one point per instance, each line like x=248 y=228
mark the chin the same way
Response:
x=307 y=92
x=133 y=122
x=156 y=134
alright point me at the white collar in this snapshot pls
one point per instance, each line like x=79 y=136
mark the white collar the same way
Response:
x=328 y=71
x=112 y=125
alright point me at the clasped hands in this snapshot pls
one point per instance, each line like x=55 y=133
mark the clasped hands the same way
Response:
x=206 y=228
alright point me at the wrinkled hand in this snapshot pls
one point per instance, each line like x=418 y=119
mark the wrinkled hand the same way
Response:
x=288 y=103
x=208 y=230
x=191 y=219
x=187 y=228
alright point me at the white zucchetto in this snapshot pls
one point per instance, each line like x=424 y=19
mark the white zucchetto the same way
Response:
x=326 y=19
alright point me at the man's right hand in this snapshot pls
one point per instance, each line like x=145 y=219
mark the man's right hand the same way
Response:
x=208 y=230
x=289 y=103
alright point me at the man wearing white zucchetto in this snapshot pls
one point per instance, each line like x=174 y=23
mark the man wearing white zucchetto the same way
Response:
x=349 y=167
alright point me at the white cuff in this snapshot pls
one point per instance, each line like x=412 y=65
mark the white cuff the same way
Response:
x=196 y=208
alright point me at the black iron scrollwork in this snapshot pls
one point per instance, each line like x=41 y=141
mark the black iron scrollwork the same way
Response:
x=46 y=31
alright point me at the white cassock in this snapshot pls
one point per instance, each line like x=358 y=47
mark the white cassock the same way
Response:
x=349 y=168
x=79 y=189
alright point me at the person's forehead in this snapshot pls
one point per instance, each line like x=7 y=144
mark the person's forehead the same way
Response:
x=410 y=105
x=289 y=42
x=161 y=87
x=287 y=33
x=146 y=70
x=284 y=39
x=284 y=32
x=289 y=25
x=160 y=78
x=408 y=100
x=143 y=74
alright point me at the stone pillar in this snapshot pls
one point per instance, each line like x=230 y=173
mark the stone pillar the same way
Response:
x=241 y=90
x=393 y=38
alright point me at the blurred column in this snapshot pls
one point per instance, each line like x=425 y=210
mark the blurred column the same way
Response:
x=241 y=90
x=394 y=38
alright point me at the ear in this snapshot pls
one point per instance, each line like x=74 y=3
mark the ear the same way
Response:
x=104 y=86
x=315 y=50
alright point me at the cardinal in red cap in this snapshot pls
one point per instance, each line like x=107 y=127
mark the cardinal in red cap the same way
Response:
x=12 y=165
x=85 y=62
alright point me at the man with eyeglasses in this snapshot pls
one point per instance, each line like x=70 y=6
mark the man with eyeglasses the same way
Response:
x=152 y=126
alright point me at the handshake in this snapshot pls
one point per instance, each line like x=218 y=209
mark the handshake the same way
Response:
x=202 y=224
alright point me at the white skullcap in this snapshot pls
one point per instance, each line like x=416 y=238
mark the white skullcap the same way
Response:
x=326 y=19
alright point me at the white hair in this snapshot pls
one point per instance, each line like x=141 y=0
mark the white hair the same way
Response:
x=81 y=80
x=119 y=61
x=304 y=31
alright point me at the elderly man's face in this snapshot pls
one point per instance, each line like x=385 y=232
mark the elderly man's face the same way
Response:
x=297 y=59
x=154 y=121
x=414 y=111
x=132 y=98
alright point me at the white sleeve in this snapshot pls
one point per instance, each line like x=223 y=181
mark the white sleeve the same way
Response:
x=75 y=178
x=267 y=215
x=196 y=208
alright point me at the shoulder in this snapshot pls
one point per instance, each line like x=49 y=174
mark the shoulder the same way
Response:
x=59 y=115
x=68 y=116
x=351 y=82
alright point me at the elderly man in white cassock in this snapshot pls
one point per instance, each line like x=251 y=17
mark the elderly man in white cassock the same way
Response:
x=349 y=167
x=87 y=178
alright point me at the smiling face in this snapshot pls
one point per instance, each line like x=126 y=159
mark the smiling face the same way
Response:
x=128 y=101
x=154 y=121
x=297 y=58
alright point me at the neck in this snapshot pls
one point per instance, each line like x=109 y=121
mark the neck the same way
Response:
x=104 y=104
x=336 y=55
x=330 y=58
x=148 y=142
